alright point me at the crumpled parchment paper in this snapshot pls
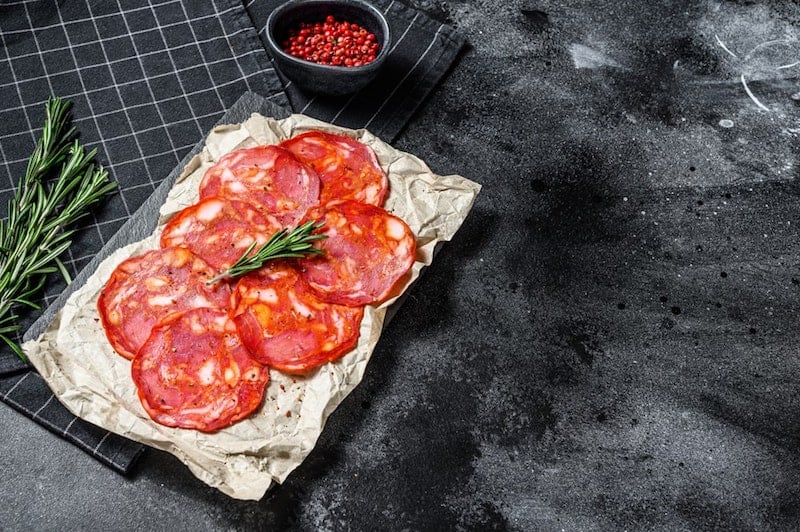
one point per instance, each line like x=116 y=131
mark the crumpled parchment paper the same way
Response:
x=242 y=460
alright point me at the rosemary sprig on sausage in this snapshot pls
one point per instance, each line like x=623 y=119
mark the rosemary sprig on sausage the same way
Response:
x=285 y=244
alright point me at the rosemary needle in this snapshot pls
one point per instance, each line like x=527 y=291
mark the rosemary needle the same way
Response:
x=284 y=244
x=41 y=215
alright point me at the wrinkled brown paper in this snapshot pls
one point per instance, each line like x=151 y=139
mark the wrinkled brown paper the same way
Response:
x=243 y=460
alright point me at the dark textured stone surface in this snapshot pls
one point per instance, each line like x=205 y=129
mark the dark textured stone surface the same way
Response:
x=610 y=341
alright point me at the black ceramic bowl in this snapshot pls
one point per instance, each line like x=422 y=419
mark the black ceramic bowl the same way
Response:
x=326 y=79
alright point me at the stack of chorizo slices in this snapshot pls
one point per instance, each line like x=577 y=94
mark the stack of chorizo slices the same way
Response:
x=201 y=352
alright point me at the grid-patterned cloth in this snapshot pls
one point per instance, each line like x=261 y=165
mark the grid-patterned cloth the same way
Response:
x=148 y=79
x=28 y=393
x=422 y=51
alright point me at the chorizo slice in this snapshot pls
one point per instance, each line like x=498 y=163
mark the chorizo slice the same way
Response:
x=146 y=288
x=366 y=252
x=269 y=177
x=193 y=372
x=286 y=326
x=347 y=168
x=219 y=230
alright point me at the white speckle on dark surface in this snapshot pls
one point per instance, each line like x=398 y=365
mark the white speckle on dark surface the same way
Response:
x=586 y=57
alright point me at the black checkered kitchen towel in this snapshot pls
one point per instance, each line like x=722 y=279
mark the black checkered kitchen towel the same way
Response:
x=148 y=79
x=422 y=52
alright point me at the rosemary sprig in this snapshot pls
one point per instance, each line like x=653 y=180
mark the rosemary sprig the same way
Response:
x=40 y=217
x=284 y=244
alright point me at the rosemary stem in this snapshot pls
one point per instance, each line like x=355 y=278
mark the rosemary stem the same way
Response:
x=35 y=231
x=284 y=244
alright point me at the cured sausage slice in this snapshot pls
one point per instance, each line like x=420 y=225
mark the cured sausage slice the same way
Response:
x=219 y=230
x=193 y=372
x=367 y=251
x=286 y=326
x=146 y=288
x=269 y=177
x=347 y=168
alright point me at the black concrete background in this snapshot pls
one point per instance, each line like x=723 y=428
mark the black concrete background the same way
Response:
x=611 y=340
